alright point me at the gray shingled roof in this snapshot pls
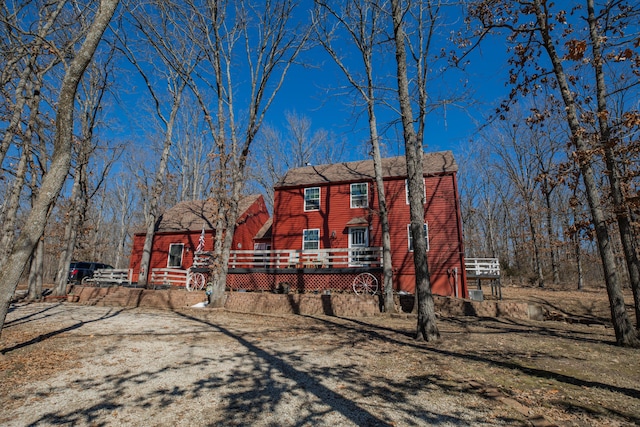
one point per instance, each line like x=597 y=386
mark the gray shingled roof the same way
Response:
x=392 y=167
x=192 y=215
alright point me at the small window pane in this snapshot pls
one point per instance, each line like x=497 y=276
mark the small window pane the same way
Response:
x=426 y=236
x=359 y=195
x=175 y=255
x=406 y=191
x=312 y=199
x=311 y=239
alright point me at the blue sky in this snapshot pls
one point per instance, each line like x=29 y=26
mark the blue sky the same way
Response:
x=307 y=91
x=311 y=91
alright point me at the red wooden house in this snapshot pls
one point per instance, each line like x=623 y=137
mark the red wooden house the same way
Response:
x=327 y=208
x=179 y=229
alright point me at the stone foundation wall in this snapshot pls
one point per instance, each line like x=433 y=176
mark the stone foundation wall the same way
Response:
x=335 y=304
x=131 y=297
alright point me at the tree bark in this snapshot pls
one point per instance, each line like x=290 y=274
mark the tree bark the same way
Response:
x=620 y=209
x=363 y=29
x=34 y=292
x=76 y=212
x=536 y=244
x=54 y=179
x=555 y=267
x=427 y=328
x=626 y=335
x=156 y=191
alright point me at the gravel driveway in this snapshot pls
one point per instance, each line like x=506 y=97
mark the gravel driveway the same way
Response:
x=204 y=367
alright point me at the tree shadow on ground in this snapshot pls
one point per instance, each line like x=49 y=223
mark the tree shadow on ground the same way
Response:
x=26 y=318
x=490 y=357
x=260 y=381
x=45 y=336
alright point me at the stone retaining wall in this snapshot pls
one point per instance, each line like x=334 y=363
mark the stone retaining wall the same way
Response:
x=335 y=304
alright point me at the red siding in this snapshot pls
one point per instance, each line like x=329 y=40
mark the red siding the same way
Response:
x=247 y=227
x=442 y=216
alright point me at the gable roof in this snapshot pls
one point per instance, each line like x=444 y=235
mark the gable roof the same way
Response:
x=265 y=232
x=193 y=215
x=392 y=167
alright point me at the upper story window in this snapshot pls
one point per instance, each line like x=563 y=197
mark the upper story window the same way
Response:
x=426 y=236
x=175 y=255
x=406 y=190
x=312 y=199
x=359 y=195
x=311 y=239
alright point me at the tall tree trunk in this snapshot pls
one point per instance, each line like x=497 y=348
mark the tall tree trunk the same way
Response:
x=76 y=211
x=36 y=272
x=54 y=179
x=578 y=257
x=123 y=197
x=427 y=328
x=626 y=335
x=12 y=204
x=620 y=209
x=537 y=261
x=555 y=268
x=156 y=191
x=383 y=212
x=363 y=27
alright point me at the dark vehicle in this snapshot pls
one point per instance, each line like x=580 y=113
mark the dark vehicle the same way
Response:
x=80 y=270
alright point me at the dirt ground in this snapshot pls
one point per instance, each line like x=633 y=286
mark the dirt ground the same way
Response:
x=70 y=364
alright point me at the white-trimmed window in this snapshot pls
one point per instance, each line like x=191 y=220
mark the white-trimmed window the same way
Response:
x=311 y=239
x=359 y=195
x=406 y=191
x=426 y=236
x=312 y=199
x=175 y=255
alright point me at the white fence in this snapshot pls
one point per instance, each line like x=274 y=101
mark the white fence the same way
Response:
x=168 y=276
x=482 y=267
x=109 y=276
x=320 y=258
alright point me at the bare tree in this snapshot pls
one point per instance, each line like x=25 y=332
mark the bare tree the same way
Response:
x=54 y=179
x=276 y=152
x=24 y=61
x=556 y=34
x=189 y=161
x=179 y=60
x=124 y=200
x=513 y=141
x=89 y=100
x=255 y=43
x=427 y=328
x=363 y=25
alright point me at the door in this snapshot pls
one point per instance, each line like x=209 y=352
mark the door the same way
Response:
x=358 y=238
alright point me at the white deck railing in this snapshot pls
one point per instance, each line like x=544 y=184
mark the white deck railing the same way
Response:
x=482 y=267
x=320 y=258
x=339 y=258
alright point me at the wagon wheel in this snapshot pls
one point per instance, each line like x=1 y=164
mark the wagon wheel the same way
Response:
x=365 y=283
x=196 y=282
